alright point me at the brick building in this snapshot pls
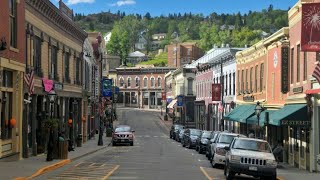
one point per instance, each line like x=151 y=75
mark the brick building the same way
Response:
x=183 y=53
x=12 y=68
x=141 y=87
x=54 y=52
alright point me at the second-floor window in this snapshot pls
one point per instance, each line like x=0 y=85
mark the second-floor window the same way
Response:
x=137 y=82
x=247 y=83
x=261 y=76
x=37 y=56
x=242 y=81
x=152 y=82
x=305 y=66
x=159 y=82
x=54 y=69
x=66 y=67
x=230 y=84
x=298 y=63
x=13 y=23
x=78 y=67
x=145 y=82
x=256 y=79
x=318 y=56
x=291 y=65
x=238 y=84
x=129 y=82
x=121 y=82
x=190 y=86
x=234 y=83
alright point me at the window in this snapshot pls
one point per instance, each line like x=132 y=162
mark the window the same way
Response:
x=261 y=76
x=159 y=82
x=129 y=82
x=238 y=88
x=137 y=82
x=226 y=85
x=66 y=68
x=190 y=86
x=298 y=63
x=305 y=66
x=251 y=69
x=247 y=83
x=145 y=82
x=6 y=115
x=189 y=52
x=234 y=83
x=291 y=65
x=318 y=56
x=242 y=81
x=256 y=79
x=37 y=56
x=121 y=82
x=152 y=82
x=7 y=79
x=78 y=67
x=230 y=84
x=54 y=69
x=13 y=23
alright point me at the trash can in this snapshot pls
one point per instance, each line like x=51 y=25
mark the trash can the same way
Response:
x=63 y=150
x=79 y=140
x=109 y=132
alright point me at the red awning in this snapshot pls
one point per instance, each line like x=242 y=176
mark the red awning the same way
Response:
x=312 y=91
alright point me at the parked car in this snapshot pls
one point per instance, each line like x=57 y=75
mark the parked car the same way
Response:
x=174 y=129
x=179 y=135
x=218 y=152
x=213 y=136
x=190 y=137
x=202 y=141
x=123 y=134
x=251 y=157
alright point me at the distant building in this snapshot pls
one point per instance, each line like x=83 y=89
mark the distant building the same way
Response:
x=183 y=53
x=158 y=37
x=136 y=57
x=141 y=44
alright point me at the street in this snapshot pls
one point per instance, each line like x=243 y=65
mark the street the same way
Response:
x=153 y=156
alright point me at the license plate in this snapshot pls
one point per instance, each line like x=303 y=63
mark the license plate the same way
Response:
x=122 y=140
x=252 y=168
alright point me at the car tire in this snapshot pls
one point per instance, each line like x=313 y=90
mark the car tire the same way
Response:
x=229 y=174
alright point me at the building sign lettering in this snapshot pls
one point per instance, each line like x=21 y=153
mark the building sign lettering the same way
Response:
x=284 y=69
x=295 y=123
x=248 y=98
x=297 y=90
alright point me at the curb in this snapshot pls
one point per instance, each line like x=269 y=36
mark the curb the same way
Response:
x=59 y=164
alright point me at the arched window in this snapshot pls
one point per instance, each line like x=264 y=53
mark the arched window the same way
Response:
x=145 y=82
x=152 y=82
x=159 y=82
x=121 y=82
x=137 y=82
x=129 y=82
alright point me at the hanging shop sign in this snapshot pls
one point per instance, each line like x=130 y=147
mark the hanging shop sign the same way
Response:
x=310 y=32
x=163 y=94
x=180 y=101
x=284 y=69
x=47 y=84
x=297 y=90
x=216 y=92
x=106 y=87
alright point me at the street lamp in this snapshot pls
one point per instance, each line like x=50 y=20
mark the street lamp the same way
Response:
x=258 y=109
x=52 y=95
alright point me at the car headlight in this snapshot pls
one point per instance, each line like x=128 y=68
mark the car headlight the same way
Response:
x=235 y=158
x=204 y=141
x=221 y=151
x=271 y=162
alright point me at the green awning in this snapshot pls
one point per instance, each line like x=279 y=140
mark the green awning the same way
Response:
x=254 y=119
x=291 y=112
x=240 y=113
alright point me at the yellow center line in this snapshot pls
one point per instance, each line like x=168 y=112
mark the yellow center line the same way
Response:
x=205 y=173
x=111 y=172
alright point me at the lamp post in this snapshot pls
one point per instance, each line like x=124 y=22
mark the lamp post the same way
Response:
x=52 y=95
x=258 y=109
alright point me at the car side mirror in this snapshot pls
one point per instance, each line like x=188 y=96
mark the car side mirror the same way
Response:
x=133 y=131
x=227 y=148
x=212 y=140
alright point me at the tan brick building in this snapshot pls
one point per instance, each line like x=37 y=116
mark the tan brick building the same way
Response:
x=183 y=53
x=54 y=52
x=12 y=67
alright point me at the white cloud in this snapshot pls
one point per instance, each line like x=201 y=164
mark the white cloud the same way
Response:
x=124 y=2
x=71 y=2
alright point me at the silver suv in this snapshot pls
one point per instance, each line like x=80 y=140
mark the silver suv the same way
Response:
x=251 y=157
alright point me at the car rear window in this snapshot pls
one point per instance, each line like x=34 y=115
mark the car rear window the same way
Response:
x=123 y=129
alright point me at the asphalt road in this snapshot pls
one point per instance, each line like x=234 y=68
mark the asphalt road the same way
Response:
x=153 y=156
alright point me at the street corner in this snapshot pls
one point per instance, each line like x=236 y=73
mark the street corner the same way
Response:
x=46 y=169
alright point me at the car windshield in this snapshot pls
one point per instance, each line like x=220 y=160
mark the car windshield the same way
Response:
x=226 y=138
x=251 y=145
x=123 y=129
x=177 y=127
x=205 y=134
x=195 y=132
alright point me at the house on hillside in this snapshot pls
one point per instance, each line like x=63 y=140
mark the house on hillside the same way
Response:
x=141 y=44
x=158 y=37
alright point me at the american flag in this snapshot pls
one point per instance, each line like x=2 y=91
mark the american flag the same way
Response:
x=29 y=79
x=316 y=72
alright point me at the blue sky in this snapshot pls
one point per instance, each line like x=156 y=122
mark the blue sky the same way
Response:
x=158 y=7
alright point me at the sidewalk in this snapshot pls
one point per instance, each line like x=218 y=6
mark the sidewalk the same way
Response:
x=36 y=165
x=168 y=123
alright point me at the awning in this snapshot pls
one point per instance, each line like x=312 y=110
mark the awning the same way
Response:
x=312 y=91
x=240 y=113
x=254 y=119
x=172 y=103
x=290 y=112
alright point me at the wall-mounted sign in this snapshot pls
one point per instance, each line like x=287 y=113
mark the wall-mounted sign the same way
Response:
x=180 y=101
x=297 y=90
x=248 y=98
x=58 y=86
x=163 y=95
x=310 y=32
x=216 y=92
x=284 y=69
x=295 y=123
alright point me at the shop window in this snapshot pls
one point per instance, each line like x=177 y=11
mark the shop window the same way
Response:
x=7 y=79
x=6 y=115
x=13 y=23
x=301 y=144
x=291 y=143
x=159 y=98
x=133 y=98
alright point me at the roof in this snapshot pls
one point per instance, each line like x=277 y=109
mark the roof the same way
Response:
x=246 y=138
x=137 y=54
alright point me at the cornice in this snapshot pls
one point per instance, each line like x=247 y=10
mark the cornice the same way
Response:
x=51 y=12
